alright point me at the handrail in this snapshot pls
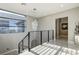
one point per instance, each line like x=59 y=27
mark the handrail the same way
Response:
x=23 y=38
x=22 y=43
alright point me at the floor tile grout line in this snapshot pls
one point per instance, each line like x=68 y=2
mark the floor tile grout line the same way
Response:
x=39 y=49
x=46 y=51
x=42 y=51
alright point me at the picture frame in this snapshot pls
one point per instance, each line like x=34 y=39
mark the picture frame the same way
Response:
x=64 y=26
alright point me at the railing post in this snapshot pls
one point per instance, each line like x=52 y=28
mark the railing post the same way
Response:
x=52 y=34
x=41 y=37
x=48 y=35
x=22 y=45
x=29 y=41
x=18 y=49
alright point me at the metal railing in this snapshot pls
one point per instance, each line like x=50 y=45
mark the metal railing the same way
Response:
x=35 y=38
x=21 y=44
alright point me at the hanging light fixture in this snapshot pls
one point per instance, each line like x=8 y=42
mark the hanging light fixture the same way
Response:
x=35 y=22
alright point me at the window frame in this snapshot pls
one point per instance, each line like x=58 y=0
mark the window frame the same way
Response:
x=13 y=19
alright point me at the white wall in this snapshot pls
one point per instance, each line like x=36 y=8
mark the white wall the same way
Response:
x=11 y=40
x=48 y=22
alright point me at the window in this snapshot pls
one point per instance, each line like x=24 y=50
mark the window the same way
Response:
x=11 y=23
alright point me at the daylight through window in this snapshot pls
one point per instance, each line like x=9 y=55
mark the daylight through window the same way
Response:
x=11 y=22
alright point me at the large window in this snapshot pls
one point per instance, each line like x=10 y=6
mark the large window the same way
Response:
x=11 y=22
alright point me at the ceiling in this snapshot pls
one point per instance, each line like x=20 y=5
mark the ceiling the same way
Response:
x=40 y=9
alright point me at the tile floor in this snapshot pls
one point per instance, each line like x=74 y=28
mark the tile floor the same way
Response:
x=58 y=47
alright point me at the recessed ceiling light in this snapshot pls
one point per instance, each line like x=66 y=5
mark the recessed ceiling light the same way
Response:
x=61 y=5
x=23 y=4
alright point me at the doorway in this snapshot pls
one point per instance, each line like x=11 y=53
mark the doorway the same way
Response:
x=62 y=29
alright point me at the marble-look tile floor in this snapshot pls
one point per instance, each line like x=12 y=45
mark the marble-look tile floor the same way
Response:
x=51 y=49
x=26 y=52
x=64 y=43
x=58 y=47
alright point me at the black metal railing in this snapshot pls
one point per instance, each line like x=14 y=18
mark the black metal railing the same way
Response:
x=21 y=44
x=36 y=38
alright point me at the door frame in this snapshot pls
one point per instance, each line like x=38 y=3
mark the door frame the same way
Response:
x=56 y=37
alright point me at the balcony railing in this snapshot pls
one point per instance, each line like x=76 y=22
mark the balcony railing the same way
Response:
x=35 y=38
